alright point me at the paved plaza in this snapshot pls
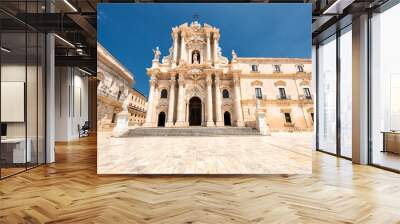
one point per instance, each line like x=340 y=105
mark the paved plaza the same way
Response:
x=281 y=153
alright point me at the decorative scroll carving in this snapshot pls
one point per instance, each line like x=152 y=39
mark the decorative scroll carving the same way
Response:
x=195 y=90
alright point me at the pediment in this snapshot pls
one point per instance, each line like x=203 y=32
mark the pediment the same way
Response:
x=257 y=83
x=304 y=83
x=280 y=83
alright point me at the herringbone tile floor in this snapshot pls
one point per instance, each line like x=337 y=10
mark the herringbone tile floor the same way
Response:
x=70 y=191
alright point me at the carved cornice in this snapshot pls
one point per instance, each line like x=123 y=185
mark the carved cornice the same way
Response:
x=274 y=60
x=172 y=74
x=108 y=60
x=248 y=102
x=153 y=71
x=306 y=76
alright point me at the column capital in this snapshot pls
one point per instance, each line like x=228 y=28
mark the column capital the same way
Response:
x=172 y=81
x=208 y=81
x=208 y=72
x=153 y=80
x=181 y=82
x=216 y=36
x=175 y=35
x=217 y=81
x=236 y=81
x=172 y=73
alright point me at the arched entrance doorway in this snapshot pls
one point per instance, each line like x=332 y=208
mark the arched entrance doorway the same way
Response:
x=195 y=111
x=161 y=119
x=227 y=119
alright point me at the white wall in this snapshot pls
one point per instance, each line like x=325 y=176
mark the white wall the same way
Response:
x=71 y=102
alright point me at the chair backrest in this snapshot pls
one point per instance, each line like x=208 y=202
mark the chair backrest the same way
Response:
x=86 y=125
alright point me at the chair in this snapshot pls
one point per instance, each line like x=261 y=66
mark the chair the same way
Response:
x=84 y=130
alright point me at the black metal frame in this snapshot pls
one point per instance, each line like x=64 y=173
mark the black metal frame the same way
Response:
x=338 y=33
x=44 y=80
x=389 y=4
x=338 y=152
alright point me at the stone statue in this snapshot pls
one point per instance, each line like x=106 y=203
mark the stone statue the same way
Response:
x=126 y=103
x=122 y=119
x=234 y=55
x=257 y=104
x=157 y=54
x=196 y=59
x=261 y=123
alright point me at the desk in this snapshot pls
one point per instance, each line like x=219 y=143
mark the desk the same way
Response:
x=391 y=141
x=15 y=148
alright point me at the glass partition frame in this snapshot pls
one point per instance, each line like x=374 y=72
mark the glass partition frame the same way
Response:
x=33 y=64
x=335 y=150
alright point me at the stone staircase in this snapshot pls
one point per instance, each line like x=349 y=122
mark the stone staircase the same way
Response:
x=192 y=131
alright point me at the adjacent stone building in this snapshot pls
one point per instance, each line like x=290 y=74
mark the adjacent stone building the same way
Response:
x=114 y=87
x=195 y=85
x=137 y=108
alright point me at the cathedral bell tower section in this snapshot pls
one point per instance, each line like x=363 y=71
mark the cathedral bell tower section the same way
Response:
x=195 y=44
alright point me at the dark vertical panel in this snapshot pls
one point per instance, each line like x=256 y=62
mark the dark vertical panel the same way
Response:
x=26 y=79
x=369 y=78
x=316 y=113
x=338 y=120
x=1 y=163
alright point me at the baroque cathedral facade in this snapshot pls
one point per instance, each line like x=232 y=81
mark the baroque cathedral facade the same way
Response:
x=195 y=85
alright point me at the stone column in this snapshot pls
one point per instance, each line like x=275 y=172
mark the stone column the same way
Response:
x=175 y=48
x=171 y=104
x=210 y=122
x=183 y=50
x=238 y=105
x=218 y=103
x=180 y=121
x=149 y=114
x=208 y=48
x=216 y=37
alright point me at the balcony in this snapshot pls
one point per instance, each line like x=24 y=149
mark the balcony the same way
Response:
x=283 y=97
x=288 y=125
x=263 y=97
x=302 y=97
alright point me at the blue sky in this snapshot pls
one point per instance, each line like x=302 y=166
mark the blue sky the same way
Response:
x=131 y=31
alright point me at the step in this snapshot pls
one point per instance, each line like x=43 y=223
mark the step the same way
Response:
x=192 y=131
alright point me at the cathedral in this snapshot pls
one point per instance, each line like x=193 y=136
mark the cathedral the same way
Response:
x=195 y=85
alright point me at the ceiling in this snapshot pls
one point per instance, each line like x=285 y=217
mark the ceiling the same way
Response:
x=75 y=21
